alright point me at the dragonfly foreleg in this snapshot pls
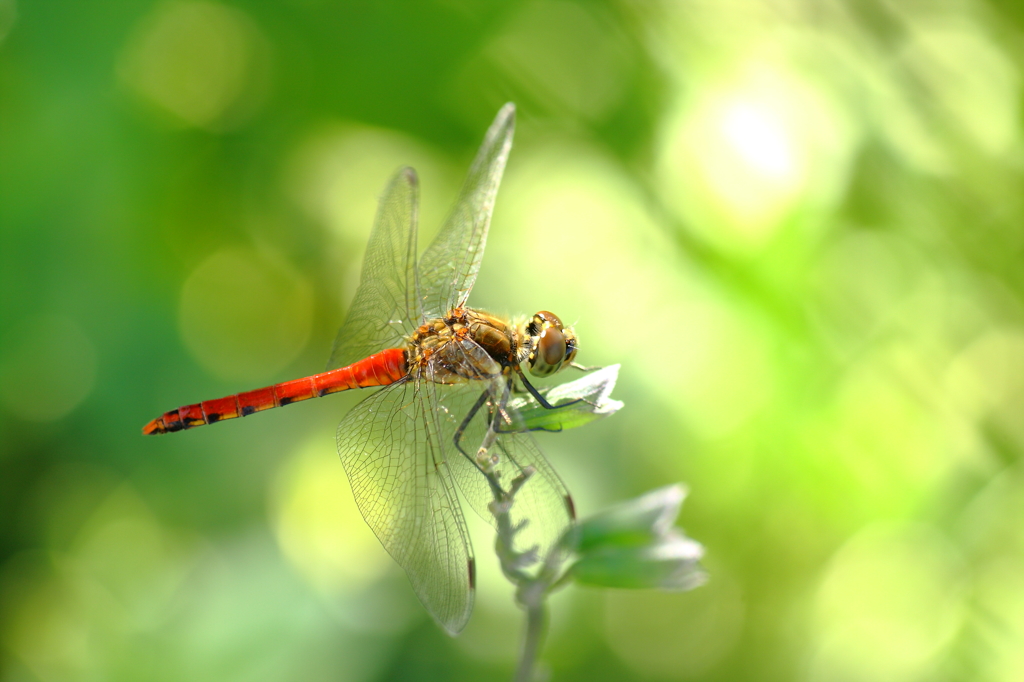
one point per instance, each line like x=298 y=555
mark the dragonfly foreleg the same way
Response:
x=584 y=368
x=540 y=398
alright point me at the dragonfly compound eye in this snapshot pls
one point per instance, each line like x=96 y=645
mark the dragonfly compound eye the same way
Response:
x=570 y=345
x=549 y=346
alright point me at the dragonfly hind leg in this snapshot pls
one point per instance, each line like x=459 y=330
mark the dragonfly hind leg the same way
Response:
x=484 y=459
x=485 y=465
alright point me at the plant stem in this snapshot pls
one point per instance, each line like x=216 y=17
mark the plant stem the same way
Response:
x=531 y=590
x=535 y=617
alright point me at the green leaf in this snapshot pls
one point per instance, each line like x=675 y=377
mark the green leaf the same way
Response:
x=639 y=521
x=669 y=564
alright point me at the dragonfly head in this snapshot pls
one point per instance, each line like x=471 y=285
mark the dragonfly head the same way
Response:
x=552 y=345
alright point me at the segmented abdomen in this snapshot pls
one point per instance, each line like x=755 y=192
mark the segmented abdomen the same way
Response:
x=380 y=369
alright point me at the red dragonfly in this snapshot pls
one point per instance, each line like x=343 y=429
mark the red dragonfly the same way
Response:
x=445 y=412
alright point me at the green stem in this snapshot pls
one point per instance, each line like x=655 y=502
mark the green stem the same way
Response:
x=535 y=617
x=531 y=590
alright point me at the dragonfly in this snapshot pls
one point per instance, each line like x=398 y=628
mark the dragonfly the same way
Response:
x=450 y=377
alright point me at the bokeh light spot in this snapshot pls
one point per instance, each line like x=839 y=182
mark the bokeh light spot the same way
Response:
x=116 y=580
x=123 y=549
x=743 y=155
x=989 y=373
x=888 y=605
x=760 y=139
x=871 y=421
x=1001 y=597
x=992 y=528
x=245 y=315
x=853 y=308
x=47 y=369
x=203 y=62
x=318 y=525
x=337 y=173
x=43 y=630
x=973 y=81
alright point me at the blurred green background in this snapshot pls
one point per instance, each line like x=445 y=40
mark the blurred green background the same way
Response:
x=797 y=225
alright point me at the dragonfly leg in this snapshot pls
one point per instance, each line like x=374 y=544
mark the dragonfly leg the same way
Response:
x=501 y=415
x=538 y=397
x=480 y=459
x=457 y=438
x=584 y=368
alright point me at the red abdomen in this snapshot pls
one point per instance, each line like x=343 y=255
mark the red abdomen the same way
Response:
x=380 y=369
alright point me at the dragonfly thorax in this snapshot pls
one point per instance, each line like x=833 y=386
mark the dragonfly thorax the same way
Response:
x=437 y=350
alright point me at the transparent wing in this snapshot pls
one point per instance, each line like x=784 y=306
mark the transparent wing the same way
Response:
x=543 y=505
x=386 y=307
x=403 y=489
x=450 y=264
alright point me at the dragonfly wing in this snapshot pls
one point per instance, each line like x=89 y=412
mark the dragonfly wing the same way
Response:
x=403 y=489
x=449 y=266
x=386 y=306
x=543 y=504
